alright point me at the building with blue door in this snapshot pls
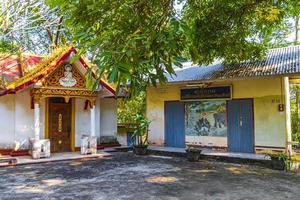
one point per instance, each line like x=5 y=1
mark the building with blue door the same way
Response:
x=241 y=108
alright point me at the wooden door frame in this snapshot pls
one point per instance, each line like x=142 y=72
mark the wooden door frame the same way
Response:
x=253 y=121
x=72 y=138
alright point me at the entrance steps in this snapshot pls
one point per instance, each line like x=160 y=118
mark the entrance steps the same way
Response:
x=55 y=157
x=229 y=157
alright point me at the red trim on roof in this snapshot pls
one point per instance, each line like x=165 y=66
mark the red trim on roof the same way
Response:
x=36 y=79
x=12 y=66
x=109 y=88
x=40 y=76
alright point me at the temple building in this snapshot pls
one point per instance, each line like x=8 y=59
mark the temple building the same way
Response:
x=46 y=98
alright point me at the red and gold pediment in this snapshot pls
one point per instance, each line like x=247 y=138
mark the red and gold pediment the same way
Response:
x=49 y=72
x=65 y=76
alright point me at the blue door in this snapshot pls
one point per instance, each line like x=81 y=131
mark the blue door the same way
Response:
x=240 y=126
x=174 y=124
x=130 y=139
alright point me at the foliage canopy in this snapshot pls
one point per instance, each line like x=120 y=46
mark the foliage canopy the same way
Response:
x=30 y=26
x=128 y=109
x=139 y=41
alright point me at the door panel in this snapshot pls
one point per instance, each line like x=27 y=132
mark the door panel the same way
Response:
x=233 y=126
x=174 y=124
x=130 y=139
x=240 y=126
x=60 y=125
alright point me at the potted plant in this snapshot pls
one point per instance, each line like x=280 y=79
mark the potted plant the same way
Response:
x=140 y=135
x=193 y=153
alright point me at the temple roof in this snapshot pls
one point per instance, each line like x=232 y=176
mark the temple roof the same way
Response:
x=15 y=66
x=21 y=71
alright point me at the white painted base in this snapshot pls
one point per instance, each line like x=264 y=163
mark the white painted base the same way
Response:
x=39 y=148
x=88 y=145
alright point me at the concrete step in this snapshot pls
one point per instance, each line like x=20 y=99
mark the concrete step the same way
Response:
x=228 y=157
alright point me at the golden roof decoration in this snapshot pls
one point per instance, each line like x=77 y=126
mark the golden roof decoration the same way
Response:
x=41 y=68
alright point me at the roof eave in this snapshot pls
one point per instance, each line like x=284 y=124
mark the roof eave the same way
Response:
x=233 y=79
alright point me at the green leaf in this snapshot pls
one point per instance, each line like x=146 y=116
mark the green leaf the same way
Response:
x=113 y=75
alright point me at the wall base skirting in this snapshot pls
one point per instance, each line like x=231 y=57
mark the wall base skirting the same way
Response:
x=262 y=149
x=217 y=148
x=112 y=144
x=11 y=152
x=98 y=147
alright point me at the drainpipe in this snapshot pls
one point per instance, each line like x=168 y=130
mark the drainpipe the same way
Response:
x=289 y=149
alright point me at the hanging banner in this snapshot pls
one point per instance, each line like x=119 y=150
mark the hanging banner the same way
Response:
x=217 y=92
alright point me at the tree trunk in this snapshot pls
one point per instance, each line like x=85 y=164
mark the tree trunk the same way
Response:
x=58 y=31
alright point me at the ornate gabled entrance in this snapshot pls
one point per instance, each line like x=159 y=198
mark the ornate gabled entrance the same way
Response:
x=48 y=77
x=60 y=89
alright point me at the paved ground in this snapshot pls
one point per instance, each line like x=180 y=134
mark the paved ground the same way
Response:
x=125 y=176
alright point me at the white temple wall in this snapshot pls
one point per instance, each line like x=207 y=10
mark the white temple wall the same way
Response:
x=82 y=121
x=24 y=119
x=7 y=121
x=108 y=119
x=17 y=120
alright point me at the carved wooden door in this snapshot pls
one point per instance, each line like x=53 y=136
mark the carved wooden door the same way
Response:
x=60 y=124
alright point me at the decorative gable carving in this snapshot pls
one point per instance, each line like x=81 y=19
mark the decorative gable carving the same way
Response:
x=65 y=76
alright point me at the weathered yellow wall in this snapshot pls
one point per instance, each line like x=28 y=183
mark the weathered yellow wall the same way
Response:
x=269 y=122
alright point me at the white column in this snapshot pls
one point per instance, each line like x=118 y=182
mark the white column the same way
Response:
x=98 y=118
x=93 y=120
x=288 y=116
x=36 y=121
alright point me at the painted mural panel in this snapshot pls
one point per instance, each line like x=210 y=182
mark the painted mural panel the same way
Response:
x=206 y=118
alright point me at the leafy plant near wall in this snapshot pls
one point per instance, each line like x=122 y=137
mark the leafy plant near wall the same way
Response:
x=141 y=131
x=129 y=108
x=140 y=135
x=281 y=160
x=295 y=105
x=131 y=112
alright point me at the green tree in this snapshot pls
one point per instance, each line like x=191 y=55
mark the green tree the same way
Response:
x=130 y=40
x=30 y=26
x=137 y=41
x=295 y=111
x=233 y=30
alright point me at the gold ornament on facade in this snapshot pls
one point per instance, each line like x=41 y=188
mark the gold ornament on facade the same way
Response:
x=39 y=69
x=53 y=80
x=60 y=122
x=40 y=93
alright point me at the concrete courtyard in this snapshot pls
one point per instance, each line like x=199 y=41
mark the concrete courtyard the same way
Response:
x=125 y=176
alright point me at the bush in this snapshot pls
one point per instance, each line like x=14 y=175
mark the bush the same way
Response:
x=130 y=107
